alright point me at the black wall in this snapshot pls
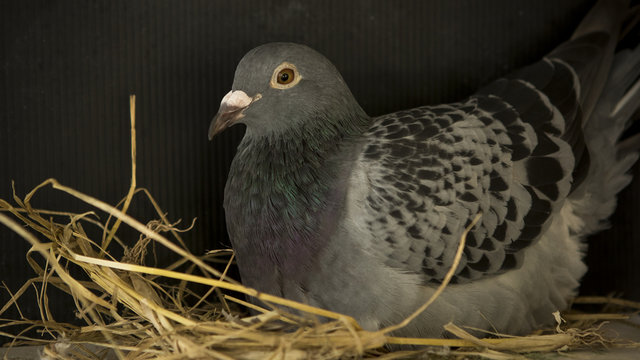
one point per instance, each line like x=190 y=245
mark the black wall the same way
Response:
x=68 y=67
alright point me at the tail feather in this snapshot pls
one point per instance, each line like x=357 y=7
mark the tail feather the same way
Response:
x=616 y=109
x=632 y=20
x=628 y=103
x=605 y=16
x=590 y=50
x=628 y=146
x=621 y=98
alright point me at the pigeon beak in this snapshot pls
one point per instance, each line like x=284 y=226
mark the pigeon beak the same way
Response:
x=230 y=112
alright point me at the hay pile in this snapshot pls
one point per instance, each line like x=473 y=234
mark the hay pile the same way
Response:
x=131 y=312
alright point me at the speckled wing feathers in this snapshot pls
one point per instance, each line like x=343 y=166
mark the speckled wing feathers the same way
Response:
x=507 y=152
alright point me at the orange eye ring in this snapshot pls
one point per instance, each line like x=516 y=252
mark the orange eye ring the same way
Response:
x=285 y=76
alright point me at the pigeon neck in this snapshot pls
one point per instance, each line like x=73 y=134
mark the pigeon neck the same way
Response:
x=284 y=194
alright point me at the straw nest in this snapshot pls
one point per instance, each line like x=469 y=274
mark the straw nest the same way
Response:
x=131 y=311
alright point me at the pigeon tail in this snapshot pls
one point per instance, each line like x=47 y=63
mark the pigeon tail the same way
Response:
x=615 y=111
x=609 y=96
x=591 y=47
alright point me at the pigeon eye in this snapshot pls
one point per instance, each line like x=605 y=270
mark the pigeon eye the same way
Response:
x=285 y=76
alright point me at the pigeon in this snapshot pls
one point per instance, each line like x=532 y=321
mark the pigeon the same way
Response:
x=328 y=206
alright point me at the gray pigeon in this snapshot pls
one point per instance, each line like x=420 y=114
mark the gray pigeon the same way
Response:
x=328 y=206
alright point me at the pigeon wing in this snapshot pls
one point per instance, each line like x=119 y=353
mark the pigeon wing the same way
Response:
x=511 y=152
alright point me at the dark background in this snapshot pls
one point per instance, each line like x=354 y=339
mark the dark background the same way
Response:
x=68 y=67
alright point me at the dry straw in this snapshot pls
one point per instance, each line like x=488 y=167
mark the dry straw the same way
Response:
x=131 y=312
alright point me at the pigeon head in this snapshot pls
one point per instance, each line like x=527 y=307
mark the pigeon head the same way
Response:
x=283 y=86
